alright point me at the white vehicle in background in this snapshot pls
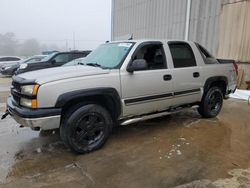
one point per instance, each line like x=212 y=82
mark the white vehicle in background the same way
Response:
x=9 y=70
x=9 y=60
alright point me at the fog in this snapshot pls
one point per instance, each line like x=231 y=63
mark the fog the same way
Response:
x=63 y=24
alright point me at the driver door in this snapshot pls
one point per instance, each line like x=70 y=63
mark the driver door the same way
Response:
x=148 y=90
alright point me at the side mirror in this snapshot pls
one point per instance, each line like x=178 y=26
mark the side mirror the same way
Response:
x=53 y=61
x=137 y=65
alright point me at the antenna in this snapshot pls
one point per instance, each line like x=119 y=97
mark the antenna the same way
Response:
x=131 y=37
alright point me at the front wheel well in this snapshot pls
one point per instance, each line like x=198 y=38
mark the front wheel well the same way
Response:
x=105 y=101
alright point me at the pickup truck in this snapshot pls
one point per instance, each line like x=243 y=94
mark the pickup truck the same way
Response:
x=120 y=83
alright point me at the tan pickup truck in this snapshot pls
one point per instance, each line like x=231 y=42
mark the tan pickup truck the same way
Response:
x=117 y=84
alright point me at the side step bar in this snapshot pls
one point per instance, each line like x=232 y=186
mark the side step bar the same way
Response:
x=144 y=118
x=152 y=116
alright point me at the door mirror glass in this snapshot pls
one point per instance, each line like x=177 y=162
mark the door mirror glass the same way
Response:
x=137 y=65
x=53 y=61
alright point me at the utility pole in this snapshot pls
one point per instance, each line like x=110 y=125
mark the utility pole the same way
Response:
x=74 y=41
x=67 y=45
x=188 y=12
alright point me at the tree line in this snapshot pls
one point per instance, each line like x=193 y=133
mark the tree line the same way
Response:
x=11 y=46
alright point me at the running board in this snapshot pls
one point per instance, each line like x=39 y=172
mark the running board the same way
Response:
x=144 y=118
x=152 y=116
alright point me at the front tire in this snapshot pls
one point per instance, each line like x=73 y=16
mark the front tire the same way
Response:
x=211 y=103
x=86 y=129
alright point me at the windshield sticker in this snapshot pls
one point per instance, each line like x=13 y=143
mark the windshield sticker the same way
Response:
x=127 y=45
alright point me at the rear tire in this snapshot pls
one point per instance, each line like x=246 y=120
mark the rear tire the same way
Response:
x=211 y=103
x=86 y=129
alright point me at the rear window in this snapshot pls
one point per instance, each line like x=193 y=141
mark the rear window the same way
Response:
x=79 y=55
x=182 y=55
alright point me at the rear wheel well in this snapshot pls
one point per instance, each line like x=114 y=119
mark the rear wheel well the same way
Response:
x=218 y=83
x=102 y=100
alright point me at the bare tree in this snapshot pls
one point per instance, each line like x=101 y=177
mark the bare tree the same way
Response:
x=30 y=47
x=9 y=45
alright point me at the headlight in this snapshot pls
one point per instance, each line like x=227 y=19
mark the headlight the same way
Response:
x=30 y=103
x=23 y=66
x=26 y=102
x=30 y=90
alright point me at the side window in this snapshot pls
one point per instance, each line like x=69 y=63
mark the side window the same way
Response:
x=4 y=59
x=153 y=54
x=182 y=55
x=62 y=58
x=9 y=59
x=13 y=59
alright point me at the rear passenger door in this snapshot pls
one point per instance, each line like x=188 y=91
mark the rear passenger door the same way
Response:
x=187 y=82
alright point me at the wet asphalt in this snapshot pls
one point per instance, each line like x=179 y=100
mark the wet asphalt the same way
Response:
x=182 y=150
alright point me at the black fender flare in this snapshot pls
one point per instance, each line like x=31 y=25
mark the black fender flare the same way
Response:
x=214 y=79
x=109 y=94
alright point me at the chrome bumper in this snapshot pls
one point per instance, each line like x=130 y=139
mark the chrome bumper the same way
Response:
x=45 y=119
x=44 y=123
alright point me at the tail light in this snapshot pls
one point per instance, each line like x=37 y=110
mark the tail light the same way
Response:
x=236 y=68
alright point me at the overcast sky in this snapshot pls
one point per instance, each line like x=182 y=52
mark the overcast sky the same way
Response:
x=56 y=21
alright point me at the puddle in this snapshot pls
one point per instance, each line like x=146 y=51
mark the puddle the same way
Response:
x=163 y=152
x=12 y=139
x=240 y=179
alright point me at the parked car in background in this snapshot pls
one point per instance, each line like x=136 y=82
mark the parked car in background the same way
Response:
x=9 y=70
x=53 y=60
x=79 y=61
x=9 y=60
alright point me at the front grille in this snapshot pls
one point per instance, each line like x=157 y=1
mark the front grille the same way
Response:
x=16 y=92
x=16 y=86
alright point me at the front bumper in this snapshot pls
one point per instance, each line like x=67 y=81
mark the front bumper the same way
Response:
x=45 y=119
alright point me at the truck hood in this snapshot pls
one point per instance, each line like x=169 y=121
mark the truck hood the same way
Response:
x=60 y=73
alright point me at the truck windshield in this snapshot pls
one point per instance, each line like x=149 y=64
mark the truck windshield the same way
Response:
x=108 y=55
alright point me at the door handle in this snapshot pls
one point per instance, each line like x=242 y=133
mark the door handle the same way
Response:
x=196 y=74
x=167 y=77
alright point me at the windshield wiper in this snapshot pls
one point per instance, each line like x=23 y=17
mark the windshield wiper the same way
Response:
x=94 y=65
